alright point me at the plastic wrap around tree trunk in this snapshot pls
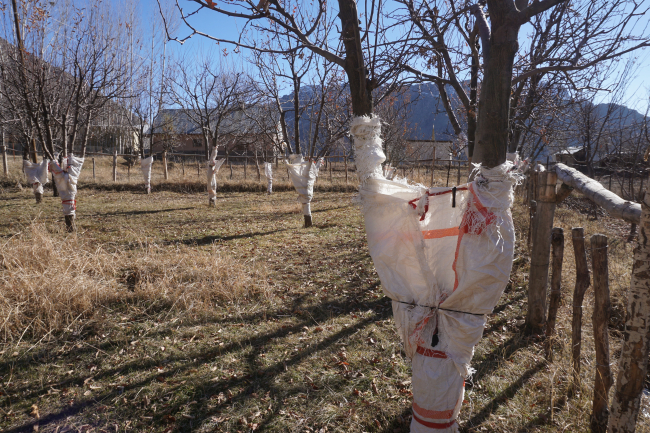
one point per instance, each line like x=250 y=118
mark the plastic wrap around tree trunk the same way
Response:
x=145 y=166
x=213 y=167
x=444 y=257
x=268 y=172
x=66 y=176
x=37 y=176
x=303 y=174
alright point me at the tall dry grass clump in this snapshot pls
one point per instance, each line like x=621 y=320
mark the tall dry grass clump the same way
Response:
x=50 y=283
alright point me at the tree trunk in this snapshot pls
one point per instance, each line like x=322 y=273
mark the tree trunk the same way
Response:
x=557 y=241
x=346 y=170
x=34 y=157
x=5 y=163
x=494 y=101
x=600 y=319
x=633 y=364
x=539 y=260
x=355 y=68
x=94 y=178
x=69 y=223
x=594 y=191
x=55 y=190
x=164 y=160
x=115 y=166
x=582 y=284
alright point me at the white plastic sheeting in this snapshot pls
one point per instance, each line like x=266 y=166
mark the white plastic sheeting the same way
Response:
x=145 y=166
x=36 y=174
x=444 y=256
x=66 y=176
x=303 y=174
x=213 y=168
x=268 y=172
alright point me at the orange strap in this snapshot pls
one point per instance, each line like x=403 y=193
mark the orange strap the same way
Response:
x=73 y=202
x=434 y=425
x=440 y=233
x=428 y=194
x=445 y=414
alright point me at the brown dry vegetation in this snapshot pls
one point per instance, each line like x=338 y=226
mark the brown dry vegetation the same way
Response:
x=163 y=315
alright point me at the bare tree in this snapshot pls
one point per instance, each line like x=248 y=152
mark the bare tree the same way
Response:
x=567 y=44
x=209 y=95
x=67 y=74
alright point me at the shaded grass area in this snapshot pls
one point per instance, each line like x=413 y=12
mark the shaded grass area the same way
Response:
x=304 y=341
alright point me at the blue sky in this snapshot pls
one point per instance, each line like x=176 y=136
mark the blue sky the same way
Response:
x=637 y=93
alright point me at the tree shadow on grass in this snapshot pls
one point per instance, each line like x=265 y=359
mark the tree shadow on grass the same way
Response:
x=263 y=379
x=208 y=240
x=502 y=398
x=136 y=212
x=492 y=360
x=400 y=423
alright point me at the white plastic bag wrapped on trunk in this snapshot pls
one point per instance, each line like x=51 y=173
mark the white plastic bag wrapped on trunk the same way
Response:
x=303 y=174
x=145 y=166
x=444 y=256
x=36 y=174
x=268 y=172
x=213 y=168
x=66 y=177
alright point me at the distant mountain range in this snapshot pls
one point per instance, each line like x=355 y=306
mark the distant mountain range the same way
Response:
x=427 y=111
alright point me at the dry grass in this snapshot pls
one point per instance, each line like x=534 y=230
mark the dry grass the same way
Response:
x=51 y=284
x=306 y=345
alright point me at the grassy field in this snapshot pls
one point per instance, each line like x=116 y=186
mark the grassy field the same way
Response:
x=163 y=315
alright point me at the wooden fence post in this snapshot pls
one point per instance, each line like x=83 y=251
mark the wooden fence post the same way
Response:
x=557 y=242
x=115 y=166
x=330 y=171
x=633 y=363
x=93 y=168
x=448 y=170
x=582 y=284
x=539 y=257
x=245 y=167
x=164 y=158
x=531 y=222
x=600 y=320
x=433 y=165
x=346 y=169
x=5 y=163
